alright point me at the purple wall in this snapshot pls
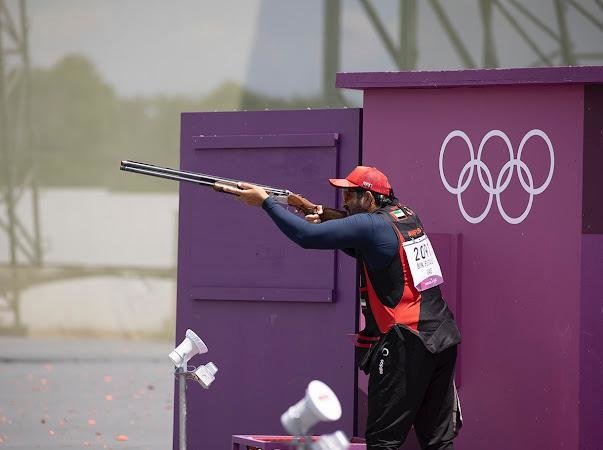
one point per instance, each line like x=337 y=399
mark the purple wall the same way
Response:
x=520 y=282
x=591 y=343
x=525 y=289
x=592 y=213
x=273 y=315
x=591 y=316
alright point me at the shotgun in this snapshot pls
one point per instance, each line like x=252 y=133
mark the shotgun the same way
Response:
x=283 y=196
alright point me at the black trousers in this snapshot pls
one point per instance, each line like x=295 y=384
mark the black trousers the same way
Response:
x=409 y=386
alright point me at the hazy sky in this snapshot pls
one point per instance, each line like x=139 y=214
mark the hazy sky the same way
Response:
x=275 y=46
x=148 y=46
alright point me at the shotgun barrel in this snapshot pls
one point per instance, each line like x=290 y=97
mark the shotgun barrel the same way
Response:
x=283 y=196
x=192 y=177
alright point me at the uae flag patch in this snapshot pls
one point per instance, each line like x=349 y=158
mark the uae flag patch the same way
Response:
x=398 y=213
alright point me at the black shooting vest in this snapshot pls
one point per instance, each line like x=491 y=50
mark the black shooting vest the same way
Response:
x=391 y=299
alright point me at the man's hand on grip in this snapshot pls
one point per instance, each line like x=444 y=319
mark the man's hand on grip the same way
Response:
x=315 y=217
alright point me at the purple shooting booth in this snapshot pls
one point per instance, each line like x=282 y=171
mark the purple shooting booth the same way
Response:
x=273 y=315
x=501 y=165
x=510 y=163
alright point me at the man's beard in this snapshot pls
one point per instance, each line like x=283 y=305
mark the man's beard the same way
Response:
x=349 y=211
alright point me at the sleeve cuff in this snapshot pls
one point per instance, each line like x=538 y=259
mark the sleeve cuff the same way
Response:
x=268 y=203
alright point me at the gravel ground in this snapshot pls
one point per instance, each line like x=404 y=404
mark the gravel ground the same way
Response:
x=67 y=394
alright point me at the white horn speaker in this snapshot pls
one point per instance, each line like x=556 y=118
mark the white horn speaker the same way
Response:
x=320 y=404
x=189 y=347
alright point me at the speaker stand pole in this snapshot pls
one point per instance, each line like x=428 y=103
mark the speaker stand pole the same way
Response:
x=181 y=372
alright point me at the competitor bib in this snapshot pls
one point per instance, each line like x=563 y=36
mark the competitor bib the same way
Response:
x=424 y=266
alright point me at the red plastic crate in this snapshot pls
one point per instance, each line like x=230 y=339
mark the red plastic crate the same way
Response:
x=255 y=442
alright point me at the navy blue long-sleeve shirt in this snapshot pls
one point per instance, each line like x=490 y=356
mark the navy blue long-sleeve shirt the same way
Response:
x=369 y=234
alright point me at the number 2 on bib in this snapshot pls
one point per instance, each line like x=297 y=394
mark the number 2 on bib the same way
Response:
x=424 y=266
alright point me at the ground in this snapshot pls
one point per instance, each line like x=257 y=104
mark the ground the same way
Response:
x=98 y=394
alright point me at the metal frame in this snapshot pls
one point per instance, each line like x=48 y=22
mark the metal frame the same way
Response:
x=18 y=174
x=404 y=52
x=18 y=164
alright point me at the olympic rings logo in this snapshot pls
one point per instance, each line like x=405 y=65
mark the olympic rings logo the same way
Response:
x=504 y=176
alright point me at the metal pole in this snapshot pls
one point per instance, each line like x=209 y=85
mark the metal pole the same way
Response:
x=455 y=38
x=567 y=54
x=587 y=15
x=381 y=32
x=528 y=40
x=8 y=179
x=32 y=160
x=408 y=34
x=489 y=50
x=539 y=23
x=181 y=371
x=330 y=64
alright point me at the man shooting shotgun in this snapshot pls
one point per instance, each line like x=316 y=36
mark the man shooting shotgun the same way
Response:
x=226 y=185
x=409 y=345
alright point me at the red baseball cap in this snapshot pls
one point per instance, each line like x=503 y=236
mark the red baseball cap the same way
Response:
x=364 y=177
